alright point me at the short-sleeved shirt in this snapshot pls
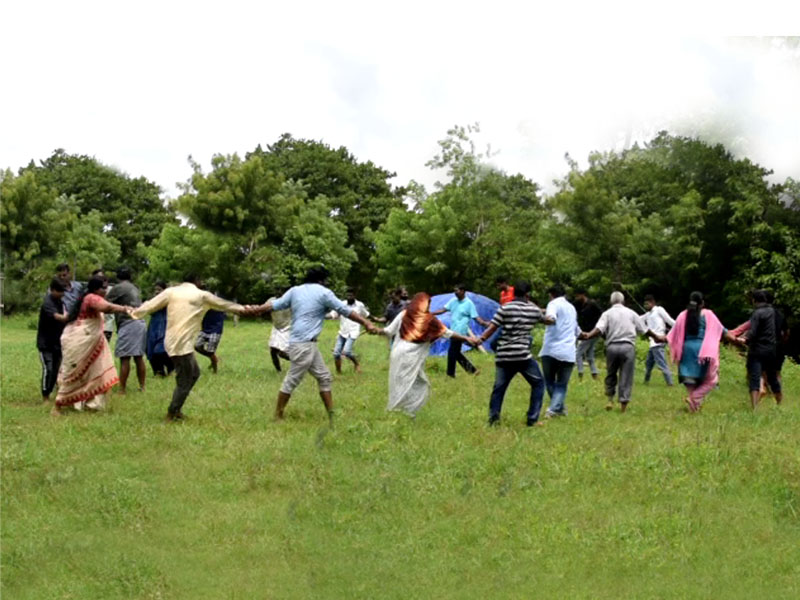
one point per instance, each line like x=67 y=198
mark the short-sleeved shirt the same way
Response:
x=559 y=338
x=619 y=324
x=124 y=293
x=348 y=328
x=392 y=310
x=310 y=303
x=507 y=295
x=588 y=314
x=516 y=319
x=657 y=319
x=461 y=313
x=213 y=321
x=48 y=334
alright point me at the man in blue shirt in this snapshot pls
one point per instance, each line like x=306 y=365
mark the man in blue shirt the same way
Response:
x=310 y=302
x=558 y=348
x=462 y=310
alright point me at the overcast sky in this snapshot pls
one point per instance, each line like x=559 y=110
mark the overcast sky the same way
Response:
x=143 y=85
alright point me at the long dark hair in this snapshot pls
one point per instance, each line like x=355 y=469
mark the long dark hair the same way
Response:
x=95 y=283
x=693 y=313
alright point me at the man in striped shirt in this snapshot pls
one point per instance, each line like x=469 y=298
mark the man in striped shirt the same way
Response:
x=516 y=318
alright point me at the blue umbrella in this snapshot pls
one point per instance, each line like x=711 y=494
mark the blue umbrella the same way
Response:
x=486 y=308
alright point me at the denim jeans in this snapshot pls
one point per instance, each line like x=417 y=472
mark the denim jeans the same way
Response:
x=343 y=346
x=656 y=357
x=504 y=373
x=586 y=349
x=556 y=378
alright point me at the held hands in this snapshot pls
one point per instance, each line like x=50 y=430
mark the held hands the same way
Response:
x=583 y=336
x=372 y=330
x=129 y=310
x=474 y=341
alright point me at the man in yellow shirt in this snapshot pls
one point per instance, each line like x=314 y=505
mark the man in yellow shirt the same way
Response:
x=186 y=304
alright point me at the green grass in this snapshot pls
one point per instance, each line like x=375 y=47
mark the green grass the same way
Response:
x=655 y=503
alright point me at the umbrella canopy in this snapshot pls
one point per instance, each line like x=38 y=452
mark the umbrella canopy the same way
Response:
x=486 y=308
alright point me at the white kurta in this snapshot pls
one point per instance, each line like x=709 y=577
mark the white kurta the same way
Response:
x=409 y=387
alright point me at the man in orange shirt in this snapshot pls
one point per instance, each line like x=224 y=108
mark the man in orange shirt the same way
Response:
x=506 y=291
x=506 y=296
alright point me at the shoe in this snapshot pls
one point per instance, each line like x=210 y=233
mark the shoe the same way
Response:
x=179 y=416
x=494 y=420
x=610 y=405
x=534 y=423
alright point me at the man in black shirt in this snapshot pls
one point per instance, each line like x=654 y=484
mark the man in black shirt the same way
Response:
x=588 y=314
x=52 y=319
x=762 y=340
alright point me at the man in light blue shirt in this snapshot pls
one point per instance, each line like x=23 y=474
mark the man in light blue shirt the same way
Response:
x=462 y=310
x=558 y=348
x=309 y=303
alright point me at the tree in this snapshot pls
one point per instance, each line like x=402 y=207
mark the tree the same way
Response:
x=358 y=194
x=480 y=224
x=40 y=229
x=131 y=209
x=266 y=229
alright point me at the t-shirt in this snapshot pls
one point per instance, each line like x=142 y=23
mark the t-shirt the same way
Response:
x=762 y=337
x=507 y=295
x=559 y=338
x=461 y=313
x=619 y=324
x=588 y=314
x=516 y=319
x=657 y=320
x=124 y=293
x=347 y=327
x=392 y=310
x=310 y=303
x=213 y=321
x=48 y=334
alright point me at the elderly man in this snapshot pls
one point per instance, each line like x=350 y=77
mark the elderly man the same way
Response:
x=310 y=302
x=619 y=326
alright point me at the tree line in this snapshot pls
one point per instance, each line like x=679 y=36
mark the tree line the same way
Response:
x=667 y=217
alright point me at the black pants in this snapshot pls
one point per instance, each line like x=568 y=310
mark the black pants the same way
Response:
x=763 y=363
x=51 y=362
x=454 y=356
x=161 y=364
x=186 y=375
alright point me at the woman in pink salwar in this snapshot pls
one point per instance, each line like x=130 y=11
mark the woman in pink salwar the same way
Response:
x=694 y=346
x=87 y=367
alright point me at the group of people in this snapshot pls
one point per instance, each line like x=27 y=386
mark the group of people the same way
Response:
x=186 y=318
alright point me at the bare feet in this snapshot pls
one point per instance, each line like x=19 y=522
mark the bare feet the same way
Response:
x=56 y=411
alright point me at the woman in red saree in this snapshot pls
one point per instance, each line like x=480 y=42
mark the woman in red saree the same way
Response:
x=87 y=368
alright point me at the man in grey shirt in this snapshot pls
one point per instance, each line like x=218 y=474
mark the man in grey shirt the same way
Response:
x=131 y=333
x=619 y=326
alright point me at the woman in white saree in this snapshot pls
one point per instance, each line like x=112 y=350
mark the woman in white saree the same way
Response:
x=412 y=332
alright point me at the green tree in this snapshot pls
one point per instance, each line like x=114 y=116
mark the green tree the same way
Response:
x=480 y=224
x=359 y=194
x=131 y=209
x=39 y=229
x=266 y=228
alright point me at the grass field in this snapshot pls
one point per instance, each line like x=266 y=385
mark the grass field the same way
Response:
x=655 y=503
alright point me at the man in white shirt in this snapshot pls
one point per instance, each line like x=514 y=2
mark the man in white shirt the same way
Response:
x=619 y=325
x=349 y=331
x=657 y=320
x=558 y=349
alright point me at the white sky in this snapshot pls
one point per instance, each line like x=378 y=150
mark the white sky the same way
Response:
x=142 y=85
